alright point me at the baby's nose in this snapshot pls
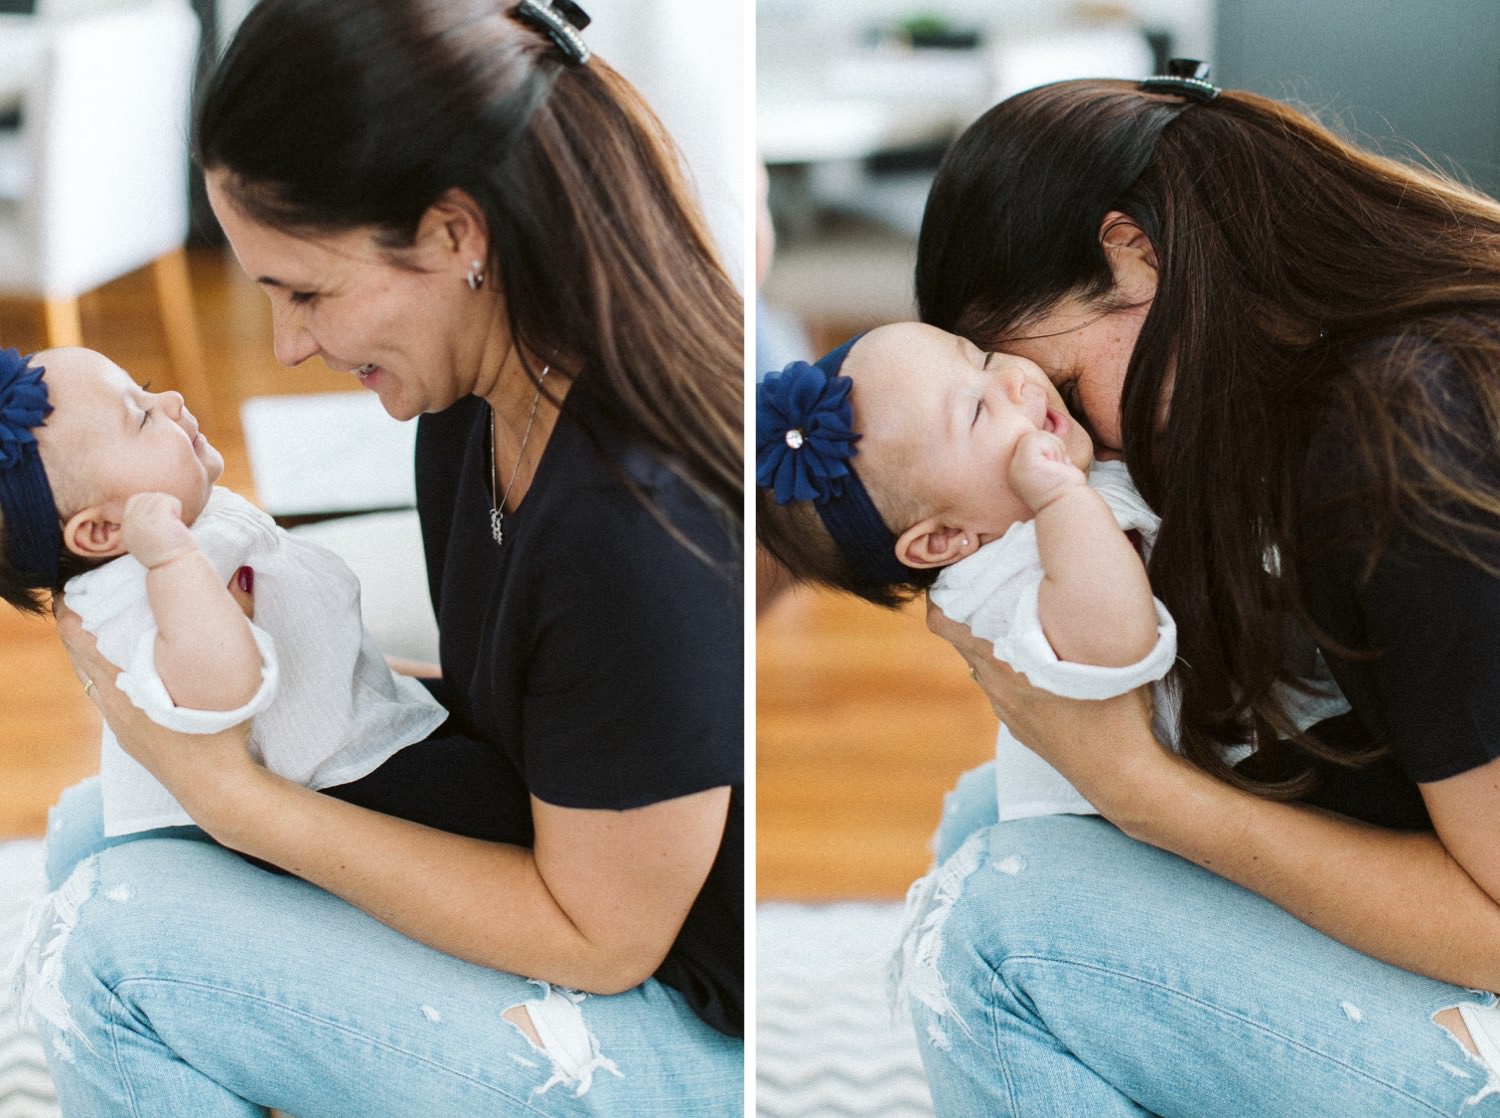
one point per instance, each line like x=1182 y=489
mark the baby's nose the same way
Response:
x=1012 y=382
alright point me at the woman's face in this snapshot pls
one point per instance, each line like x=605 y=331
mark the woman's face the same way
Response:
x=1084 y=347
x=1085 y=351
x=410 y=333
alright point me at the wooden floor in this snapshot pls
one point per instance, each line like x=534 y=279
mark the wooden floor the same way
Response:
x=864 y=720
x=864 y=717
x=49 y=734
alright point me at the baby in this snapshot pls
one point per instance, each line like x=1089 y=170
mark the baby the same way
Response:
x=970 y=482
x=107 y=494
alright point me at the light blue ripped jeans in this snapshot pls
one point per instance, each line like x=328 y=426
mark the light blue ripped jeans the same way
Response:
x=1059 y=968
x=174 y=978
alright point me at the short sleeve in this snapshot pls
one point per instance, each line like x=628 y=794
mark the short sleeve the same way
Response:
x=1420 y=629
x=142 y=685
x=635 y=692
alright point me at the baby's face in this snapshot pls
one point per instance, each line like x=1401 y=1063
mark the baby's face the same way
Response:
x=948 y=417
x=108 y=439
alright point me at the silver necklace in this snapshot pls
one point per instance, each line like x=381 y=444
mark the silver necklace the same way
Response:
x=497 y=506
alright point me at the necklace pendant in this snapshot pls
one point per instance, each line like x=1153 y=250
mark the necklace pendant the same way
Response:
x=497 y=518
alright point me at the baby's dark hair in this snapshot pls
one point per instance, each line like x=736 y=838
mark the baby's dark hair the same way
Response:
x=30 y=593
x=794 y=535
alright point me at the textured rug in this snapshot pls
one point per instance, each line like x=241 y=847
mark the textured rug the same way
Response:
x=828 y=1042
x=25 y=1086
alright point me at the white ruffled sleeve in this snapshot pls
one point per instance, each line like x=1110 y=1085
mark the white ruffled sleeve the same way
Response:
x=142 y=684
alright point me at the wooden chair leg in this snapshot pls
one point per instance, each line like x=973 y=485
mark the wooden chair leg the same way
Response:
x=174 y=296
x=61 y=323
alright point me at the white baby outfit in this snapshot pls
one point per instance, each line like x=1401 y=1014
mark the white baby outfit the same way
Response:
x=994 y=592
x=328 y=710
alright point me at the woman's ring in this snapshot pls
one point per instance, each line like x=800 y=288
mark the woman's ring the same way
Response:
x=973 y=674
x=88 y=685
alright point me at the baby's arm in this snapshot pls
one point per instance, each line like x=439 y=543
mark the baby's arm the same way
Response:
x=1095 y=600
x=205 y=653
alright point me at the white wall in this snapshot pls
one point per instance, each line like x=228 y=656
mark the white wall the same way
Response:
x=688 y=58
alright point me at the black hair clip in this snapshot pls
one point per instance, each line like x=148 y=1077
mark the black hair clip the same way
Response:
x=1186 y=77
x=562 y=20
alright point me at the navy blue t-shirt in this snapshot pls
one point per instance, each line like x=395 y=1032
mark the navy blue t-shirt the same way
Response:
x=599 y=651
x=1423 y=629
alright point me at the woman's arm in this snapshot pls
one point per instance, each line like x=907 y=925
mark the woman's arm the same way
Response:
x=1398 y=896
x=595 y=905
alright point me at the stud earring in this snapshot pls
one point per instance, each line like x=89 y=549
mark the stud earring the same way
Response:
x=475 y=278
x=966 y=541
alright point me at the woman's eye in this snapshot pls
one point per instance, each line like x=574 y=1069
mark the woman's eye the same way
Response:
x=302 y=298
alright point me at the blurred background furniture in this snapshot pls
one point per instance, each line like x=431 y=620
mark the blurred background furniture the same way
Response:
x=854 y=116
x=93 y=180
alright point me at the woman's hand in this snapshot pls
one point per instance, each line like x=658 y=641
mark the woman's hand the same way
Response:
x=1096 y=744
x=195 y=768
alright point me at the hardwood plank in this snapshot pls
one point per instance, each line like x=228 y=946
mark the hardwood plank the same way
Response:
x=863 y=720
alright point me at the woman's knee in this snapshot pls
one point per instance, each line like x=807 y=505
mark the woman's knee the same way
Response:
x=1021 y=887
x=969 y=807
x=75 y=829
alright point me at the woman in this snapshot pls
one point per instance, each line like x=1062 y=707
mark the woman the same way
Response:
x=1294 y=345
x=453 y=201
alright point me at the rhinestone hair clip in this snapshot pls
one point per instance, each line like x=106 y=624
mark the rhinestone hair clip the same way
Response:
x=562 y=20
x=1185 y=77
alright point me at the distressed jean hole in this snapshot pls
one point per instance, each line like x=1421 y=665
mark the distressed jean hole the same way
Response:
x=1453 y=1021
x=521 y=1019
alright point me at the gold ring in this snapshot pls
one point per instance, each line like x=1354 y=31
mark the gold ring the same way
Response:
x=88 y=685
x=974 y=674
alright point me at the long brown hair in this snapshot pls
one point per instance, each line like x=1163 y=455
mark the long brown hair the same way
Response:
x=1302 y=283
x=340 y=114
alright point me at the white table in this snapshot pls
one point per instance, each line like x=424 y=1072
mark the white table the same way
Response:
x=860 y=102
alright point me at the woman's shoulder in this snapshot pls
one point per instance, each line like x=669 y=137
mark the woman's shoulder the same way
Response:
x=627 y=484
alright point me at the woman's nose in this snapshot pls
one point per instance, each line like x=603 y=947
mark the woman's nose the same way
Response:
x=290 y=339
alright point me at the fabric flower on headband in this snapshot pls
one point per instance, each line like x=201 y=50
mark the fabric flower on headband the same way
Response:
x=23 y=405
x=804 y=434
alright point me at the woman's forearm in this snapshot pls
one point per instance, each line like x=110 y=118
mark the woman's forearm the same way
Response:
x=1397 y=896
x=480 y=901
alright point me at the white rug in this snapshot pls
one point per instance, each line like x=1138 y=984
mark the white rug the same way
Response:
x=25 y=1086
x=828 y=1042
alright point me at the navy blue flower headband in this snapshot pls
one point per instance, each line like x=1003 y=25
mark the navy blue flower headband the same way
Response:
x=804 y=443
x=33 y=537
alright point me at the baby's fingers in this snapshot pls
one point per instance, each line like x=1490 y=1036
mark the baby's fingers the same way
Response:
x=153 y=506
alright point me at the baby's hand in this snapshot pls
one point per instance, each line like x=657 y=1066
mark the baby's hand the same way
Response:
x=1040 y=469
x=153 y=531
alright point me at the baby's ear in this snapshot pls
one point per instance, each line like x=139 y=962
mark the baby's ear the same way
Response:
x=94 y=533
x=930 y=543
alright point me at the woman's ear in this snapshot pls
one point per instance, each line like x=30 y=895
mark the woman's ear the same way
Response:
x=930 y=543
x=455 y=227
x=1131 y=255
x=94 y=533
